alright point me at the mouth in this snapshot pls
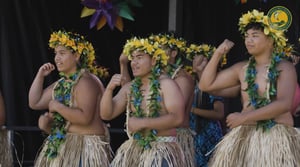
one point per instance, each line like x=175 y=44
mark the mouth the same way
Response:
x=134 y=68
x=249 y=46
x=58 y=64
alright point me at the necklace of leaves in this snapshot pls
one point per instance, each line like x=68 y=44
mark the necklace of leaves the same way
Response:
x=255 y=99
x=154 y=106
x=62 y=93
x=172 y=69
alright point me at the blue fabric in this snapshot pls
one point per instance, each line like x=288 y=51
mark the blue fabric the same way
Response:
x=208 y=132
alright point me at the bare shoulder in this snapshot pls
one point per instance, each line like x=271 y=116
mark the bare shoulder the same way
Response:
x=285 y=65
x=183 y=75
x=240 y=65
x=90 y=81
x=167 y=82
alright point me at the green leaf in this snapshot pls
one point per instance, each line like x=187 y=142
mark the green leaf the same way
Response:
x=125 y=12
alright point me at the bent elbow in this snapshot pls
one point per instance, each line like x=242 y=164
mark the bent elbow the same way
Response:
x=203 y=87
x=33 y=106
x=105 y=117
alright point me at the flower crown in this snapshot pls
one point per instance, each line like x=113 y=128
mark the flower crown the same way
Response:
x=258 y=17
x=146 y=46
x=78 y=43
x=170 y=41
x=203 y=49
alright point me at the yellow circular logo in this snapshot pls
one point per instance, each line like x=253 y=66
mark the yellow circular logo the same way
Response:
x=280 y=18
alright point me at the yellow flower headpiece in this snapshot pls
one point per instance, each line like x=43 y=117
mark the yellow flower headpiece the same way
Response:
x=79 y=44
x=170 y=41
x=203 y=49
x=146 y=46
x=258 y=17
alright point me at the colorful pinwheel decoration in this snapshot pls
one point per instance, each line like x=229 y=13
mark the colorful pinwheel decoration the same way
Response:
x=108 y=11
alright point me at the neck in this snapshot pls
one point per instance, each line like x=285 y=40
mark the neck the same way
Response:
x=145 y=80
x=69 y=75
x=263 y=60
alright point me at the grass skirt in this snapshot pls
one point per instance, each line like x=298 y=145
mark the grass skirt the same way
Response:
x=6 y=159
x=245 y=146
x=186 y=141
x=78 y=150
x=130 y=154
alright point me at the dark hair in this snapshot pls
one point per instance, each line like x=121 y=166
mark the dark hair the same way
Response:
x=255 y=26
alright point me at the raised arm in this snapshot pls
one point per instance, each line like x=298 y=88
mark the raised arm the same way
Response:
x=199 y=63
x=111 y=107
x=39 y=97
x=230 y=92
x=211 y=79
x=124 y=69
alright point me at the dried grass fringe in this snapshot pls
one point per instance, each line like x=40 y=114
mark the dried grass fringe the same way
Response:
x=6 y=159
x=245 y=146
x=87 y=150
x=186 y=141
x=130 y=154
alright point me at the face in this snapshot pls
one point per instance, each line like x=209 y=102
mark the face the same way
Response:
x=65 y=60
x=257 y=42
x=141 y=64
x=171 y=53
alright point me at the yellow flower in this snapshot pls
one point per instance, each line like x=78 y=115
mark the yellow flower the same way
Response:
x=205 y=47
x=255 y=16
x=169 y=41
x=149 y=47
x=78 y=44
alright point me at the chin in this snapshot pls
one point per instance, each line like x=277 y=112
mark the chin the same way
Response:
x=60 y=70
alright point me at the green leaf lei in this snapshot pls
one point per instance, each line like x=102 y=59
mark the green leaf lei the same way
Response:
x=144 y=140
x=62 y=93
x=171 y=68
x=256 y=100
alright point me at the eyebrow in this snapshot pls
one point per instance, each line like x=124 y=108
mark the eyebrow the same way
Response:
x=254 y=32
x=139 y=55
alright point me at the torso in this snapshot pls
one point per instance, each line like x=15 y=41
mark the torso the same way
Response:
x=96 y=125
x=163 y=111
x=285 y=118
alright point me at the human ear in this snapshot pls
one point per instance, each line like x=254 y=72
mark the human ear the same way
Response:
x=153 y=61
x=77 y=56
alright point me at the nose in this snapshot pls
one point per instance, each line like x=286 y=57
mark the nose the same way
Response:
x=248 y=39
x=134 y=60
x=56 y=57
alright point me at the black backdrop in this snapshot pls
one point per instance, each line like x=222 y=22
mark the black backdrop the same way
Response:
x=25 y=26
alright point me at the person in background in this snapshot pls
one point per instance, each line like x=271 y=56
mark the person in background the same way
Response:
x=207 y=110
x=154 y=108
x=177 y=70
x=77 y=136
x=175 y=49
x=267 y=82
